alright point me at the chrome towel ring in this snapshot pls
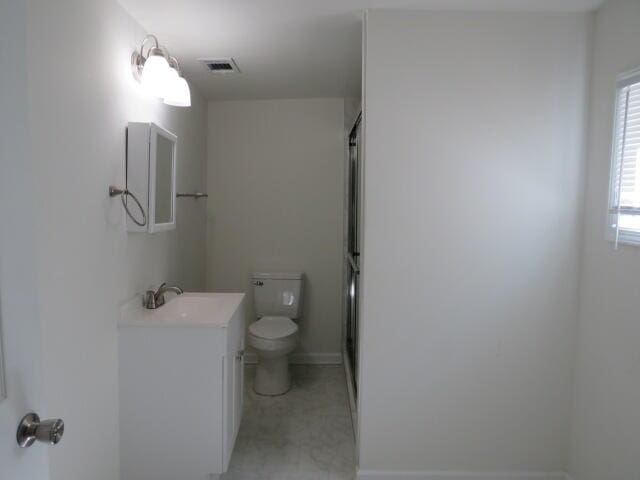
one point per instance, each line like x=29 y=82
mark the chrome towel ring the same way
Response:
x=114 y=191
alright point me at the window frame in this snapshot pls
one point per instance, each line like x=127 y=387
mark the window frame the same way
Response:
x=625 y=237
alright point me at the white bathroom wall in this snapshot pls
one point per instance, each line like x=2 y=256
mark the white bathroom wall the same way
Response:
x=606 y=425
x=275 y=182
x=473 y=181
x=80 y=95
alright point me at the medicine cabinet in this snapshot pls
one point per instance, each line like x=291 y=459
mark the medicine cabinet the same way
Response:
x=151 y=175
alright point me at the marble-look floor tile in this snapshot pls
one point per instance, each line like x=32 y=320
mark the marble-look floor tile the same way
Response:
x=305 y=434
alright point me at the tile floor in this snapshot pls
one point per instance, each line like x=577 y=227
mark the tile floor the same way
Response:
x=305 y=434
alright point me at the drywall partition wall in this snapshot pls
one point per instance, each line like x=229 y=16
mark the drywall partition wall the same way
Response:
x=81 y=98
x=606 y=424
x=275 y=182
x=474 y=168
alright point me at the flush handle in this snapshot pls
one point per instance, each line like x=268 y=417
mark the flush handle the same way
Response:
x=31 y=429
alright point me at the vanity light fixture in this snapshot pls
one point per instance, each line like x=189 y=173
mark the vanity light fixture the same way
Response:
x=159 y=73
x=178 y=92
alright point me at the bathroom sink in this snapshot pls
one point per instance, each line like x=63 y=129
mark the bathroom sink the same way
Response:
x=192 y=308
x=187 y=352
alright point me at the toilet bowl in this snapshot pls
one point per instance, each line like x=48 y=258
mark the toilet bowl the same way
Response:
x=273 y=338
x=278 y=302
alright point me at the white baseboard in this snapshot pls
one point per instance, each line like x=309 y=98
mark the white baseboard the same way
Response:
x=457 y=475
x=303 y=358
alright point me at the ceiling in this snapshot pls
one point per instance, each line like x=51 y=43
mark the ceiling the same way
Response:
x=287 y=48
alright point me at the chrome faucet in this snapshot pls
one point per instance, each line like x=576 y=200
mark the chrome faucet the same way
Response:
x=155 y=298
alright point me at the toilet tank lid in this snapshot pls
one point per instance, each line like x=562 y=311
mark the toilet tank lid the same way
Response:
x=277 y=275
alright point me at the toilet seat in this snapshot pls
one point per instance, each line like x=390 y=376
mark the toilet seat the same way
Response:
x=273 y=328
x=273 y=335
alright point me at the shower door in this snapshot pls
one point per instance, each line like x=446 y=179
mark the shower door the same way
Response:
x=352 y=263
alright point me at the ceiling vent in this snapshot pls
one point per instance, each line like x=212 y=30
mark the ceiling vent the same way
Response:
x=220 y=65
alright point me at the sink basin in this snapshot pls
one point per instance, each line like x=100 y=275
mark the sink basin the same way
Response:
x=192 y=308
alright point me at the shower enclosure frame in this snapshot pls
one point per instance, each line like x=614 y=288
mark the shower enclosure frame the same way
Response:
x=352 y=250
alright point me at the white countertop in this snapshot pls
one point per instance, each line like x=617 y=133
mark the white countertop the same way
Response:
x=189 y=309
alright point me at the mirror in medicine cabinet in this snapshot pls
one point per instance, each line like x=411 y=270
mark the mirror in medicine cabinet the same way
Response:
x=151 y=175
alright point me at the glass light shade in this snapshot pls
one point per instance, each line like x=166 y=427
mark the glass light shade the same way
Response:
x=155 y=74
x=170 y=82
x=178 y=92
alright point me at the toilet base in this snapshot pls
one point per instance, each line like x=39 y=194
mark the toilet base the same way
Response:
x=272 y=376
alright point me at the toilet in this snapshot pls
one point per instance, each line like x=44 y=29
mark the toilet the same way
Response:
x=278 y=302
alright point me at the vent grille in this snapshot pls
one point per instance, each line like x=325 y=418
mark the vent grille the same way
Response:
x=220 y=65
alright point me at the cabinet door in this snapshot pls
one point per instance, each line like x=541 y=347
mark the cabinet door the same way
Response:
x=151 y=176
x=234 y=382
x=238 y=388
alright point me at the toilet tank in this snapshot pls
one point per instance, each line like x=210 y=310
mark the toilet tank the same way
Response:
x=277 y=294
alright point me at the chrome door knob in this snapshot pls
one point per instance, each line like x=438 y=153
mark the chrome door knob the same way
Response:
x=31 y=429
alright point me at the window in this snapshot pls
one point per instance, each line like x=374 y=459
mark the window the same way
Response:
x=624 y=192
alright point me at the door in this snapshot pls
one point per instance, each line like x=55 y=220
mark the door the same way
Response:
x=21 y=349
x=21 y=332
x=353 y=250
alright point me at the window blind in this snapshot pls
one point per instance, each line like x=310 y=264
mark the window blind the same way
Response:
x=625 y=175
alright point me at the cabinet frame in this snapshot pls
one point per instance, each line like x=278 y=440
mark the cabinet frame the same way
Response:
x=141 y=170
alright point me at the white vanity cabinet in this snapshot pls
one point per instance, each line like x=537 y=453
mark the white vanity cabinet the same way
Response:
x=181 y=386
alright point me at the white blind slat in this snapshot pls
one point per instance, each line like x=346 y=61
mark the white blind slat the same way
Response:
x=626 y=183
x=624 y=197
